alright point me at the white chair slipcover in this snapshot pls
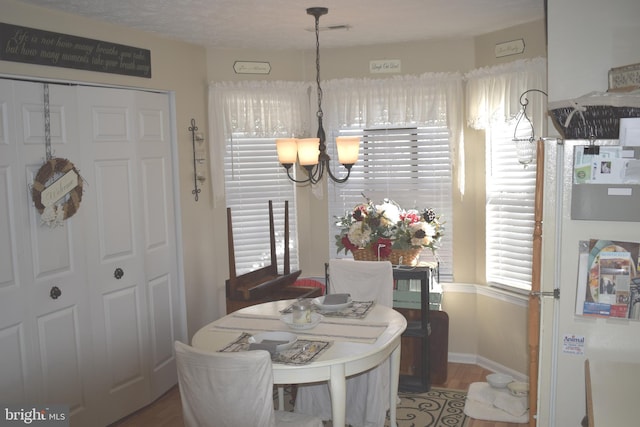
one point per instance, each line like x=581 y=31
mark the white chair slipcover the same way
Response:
x=367 y=393
x=230 y=390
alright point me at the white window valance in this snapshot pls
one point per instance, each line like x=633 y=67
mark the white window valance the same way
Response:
x=262 y=108
x=493 y=93
x=396 y=101
x=255 y=108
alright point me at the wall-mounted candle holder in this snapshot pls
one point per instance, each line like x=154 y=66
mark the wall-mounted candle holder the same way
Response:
x=525 y=147
x=197 y=177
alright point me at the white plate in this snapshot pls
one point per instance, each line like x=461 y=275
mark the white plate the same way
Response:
x=275 y=336
x=318 y=302
x=315 y=319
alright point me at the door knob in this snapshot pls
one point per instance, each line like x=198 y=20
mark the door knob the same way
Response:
x=55 y=292
x=118 y=273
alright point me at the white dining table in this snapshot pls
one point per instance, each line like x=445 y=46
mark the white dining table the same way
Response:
x=350 y=353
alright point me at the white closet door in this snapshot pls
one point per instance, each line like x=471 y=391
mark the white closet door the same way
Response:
x=14 y=371
x=105 y=345
x=159 y=243
x=45 y=343
x=114 y=249
x=131 y=244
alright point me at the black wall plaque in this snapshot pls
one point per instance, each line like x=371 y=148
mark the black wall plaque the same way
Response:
x=32 y=46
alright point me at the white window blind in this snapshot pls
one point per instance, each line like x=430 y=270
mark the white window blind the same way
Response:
x=509 y=209
x=253 y=176
x=411 y=165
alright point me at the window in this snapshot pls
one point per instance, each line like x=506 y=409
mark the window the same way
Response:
x=494 y=103
x=248 y=116
x=253 y=176
x=411 y=165
x=509 y=209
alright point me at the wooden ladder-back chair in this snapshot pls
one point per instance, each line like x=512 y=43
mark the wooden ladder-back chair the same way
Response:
x=263 y=284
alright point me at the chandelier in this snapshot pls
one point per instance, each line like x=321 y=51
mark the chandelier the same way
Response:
x=312 y=152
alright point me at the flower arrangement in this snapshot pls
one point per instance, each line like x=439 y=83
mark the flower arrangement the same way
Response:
x=382 y=228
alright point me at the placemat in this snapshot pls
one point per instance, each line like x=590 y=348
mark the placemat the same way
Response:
x=301 y=353
x=357 y=310
x=327 y=329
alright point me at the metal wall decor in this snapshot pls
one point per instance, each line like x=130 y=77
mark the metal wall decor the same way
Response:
x=195 y=137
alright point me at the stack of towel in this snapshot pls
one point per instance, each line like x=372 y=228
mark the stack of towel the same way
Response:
x=495 y=404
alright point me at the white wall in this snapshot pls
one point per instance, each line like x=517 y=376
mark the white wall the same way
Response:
x=586 y=38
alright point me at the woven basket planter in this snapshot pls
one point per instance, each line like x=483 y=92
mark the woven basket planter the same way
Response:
x=593 y=115
x=397 y=257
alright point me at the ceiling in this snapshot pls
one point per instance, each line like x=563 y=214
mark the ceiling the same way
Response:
x=284 y=24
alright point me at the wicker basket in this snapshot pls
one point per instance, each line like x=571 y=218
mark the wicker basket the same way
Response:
x=594 y=115
x=397 y=257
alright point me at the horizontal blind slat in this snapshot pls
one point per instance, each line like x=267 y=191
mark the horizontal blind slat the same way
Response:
x=410 y=165
x=253 y=176
x=509 y=211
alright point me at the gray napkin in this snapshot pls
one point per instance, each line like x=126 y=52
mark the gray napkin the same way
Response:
x=269 y=345
x=333 y=299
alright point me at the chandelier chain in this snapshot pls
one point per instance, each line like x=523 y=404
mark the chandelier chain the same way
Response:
x=319 y=88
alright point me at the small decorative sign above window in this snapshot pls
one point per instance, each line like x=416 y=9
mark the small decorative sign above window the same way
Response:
x=513 y=47
x=385 y=66
x=251 y=67
x=32 y=46
x=627 y=77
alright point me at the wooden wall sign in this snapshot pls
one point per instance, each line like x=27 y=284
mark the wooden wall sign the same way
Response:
x=385 y=66
x=251 y=67
x=513 y=47
x=33 y=46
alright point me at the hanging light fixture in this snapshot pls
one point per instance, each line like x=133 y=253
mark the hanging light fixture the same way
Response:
x=312 y=152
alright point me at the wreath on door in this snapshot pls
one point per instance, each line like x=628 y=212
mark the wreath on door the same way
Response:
x=53 y=209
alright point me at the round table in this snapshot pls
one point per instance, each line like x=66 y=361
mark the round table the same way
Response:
x=343 y=359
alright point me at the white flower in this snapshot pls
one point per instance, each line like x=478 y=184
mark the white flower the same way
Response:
x=391 y=212
x=359 y=234
x=53 y=216
x=421 y=233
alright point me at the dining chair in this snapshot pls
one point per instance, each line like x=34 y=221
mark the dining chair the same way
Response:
x=231 y=390
x=368 y=392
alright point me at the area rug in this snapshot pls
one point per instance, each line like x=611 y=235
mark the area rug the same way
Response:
x=438 y=407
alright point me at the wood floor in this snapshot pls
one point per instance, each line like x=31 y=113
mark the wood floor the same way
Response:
x=167 y=410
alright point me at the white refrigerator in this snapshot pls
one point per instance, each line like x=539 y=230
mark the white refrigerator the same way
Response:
x=568 y=336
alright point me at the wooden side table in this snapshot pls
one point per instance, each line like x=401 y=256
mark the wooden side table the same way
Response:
x=415 y=354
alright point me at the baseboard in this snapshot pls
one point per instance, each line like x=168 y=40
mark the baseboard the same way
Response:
x=473 y=359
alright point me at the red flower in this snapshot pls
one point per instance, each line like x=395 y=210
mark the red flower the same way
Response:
x=382 y=248
x=347 y=244
x=412 y=217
